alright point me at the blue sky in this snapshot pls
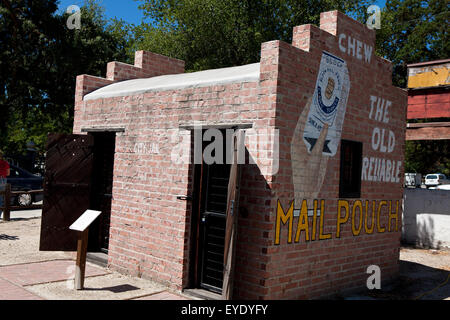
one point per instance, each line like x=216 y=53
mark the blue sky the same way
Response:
x=128 y=9
x=122 y=9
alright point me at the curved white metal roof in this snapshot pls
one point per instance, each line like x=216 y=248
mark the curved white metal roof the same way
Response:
x=246 y=73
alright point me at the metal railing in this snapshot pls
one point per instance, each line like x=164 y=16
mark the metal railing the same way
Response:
x=7 y=194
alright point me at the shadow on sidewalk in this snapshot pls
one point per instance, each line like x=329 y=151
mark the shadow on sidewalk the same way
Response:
x=115 y=289
x=8 y=238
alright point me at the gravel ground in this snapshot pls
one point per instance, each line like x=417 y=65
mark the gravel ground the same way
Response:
x=424 y=275
x=19 y=243
x=439 y=259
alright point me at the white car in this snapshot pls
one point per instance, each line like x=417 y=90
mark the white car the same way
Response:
x=436 y=179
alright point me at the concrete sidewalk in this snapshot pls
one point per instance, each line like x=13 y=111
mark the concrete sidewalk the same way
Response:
x=28 y=274
x=53 y=280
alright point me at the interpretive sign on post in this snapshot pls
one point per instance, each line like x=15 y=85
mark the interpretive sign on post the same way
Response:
x=82 y=227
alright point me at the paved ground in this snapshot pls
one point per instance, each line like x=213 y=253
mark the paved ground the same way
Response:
x=27 y=274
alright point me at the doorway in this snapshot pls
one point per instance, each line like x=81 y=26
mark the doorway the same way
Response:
x=212 y=225
x=101 y=189
x=215 y=208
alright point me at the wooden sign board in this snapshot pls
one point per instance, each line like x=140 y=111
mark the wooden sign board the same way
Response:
x=85 y=220
x=82 y=226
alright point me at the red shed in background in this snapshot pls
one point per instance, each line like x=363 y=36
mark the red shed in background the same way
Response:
x=429 y=98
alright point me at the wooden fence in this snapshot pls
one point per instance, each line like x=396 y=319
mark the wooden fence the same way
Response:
x=7 y=194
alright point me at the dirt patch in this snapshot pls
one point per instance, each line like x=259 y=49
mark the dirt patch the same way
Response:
x=108 y=287
x=424 y=275
x=19 y=243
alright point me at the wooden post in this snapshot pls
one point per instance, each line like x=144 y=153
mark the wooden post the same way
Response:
x=7 y=203
x=81 y=226
x=80 y=267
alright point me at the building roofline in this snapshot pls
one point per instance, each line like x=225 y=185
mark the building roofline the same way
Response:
x=428 y=63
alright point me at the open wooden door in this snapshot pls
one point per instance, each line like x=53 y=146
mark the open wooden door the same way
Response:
x=232 y=219
x=69 y=163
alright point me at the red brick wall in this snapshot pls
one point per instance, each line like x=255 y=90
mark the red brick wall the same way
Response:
x=150 y=228
x=147 y=64
x=311 y=269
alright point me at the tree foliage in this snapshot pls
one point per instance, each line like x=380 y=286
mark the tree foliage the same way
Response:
x=413 y=31
x=216 y=33
x=417 y=31
x=39 y=61
x=428 y=157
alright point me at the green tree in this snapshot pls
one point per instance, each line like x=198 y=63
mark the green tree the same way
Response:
x=413 y=31
x=39 y=61
x=417 y=31
x=428 y=157
x=216 y=33
x=24 y=26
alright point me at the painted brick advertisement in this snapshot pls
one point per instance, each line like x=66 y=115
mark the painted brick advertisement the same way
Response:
x=341 y=212
x=320 y=181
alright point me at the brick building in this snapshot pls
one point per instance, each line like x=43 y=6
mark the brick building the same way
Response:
x=319 y=189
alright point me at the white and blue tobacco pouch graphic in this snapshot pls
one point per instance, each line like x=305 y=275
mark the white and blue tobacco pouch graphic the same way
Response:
x=329 y=104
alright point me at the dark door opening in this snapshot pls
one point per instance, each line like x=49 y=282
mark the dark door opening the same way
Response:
x=101 y=190
x=215 y=193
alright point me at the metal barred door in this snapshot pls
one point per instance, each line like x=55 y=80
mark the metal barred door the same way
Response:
x=69 y=163
x=213 y=226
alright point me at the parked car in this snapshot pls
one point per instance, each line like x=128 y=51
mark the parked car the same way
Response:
x=22 y=180
x=413 y=180
x=436 y=179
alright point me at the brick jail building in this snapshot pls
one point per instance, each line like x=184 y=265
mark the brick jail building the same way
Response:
x=311 y=196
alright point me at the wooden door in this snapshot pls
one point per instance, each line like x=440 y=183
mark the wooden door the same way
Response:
x=231 y=222
x=69 y=162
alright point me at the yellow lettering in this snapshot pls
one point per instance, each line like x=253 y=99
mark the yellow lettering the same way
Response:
x=322 y=217
x=370 y=230
x=340 y=220
x=283 y=218
x=303 y=222
x=314 y=221
x=393 y=216
x=358 y=204
x=380 y=229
